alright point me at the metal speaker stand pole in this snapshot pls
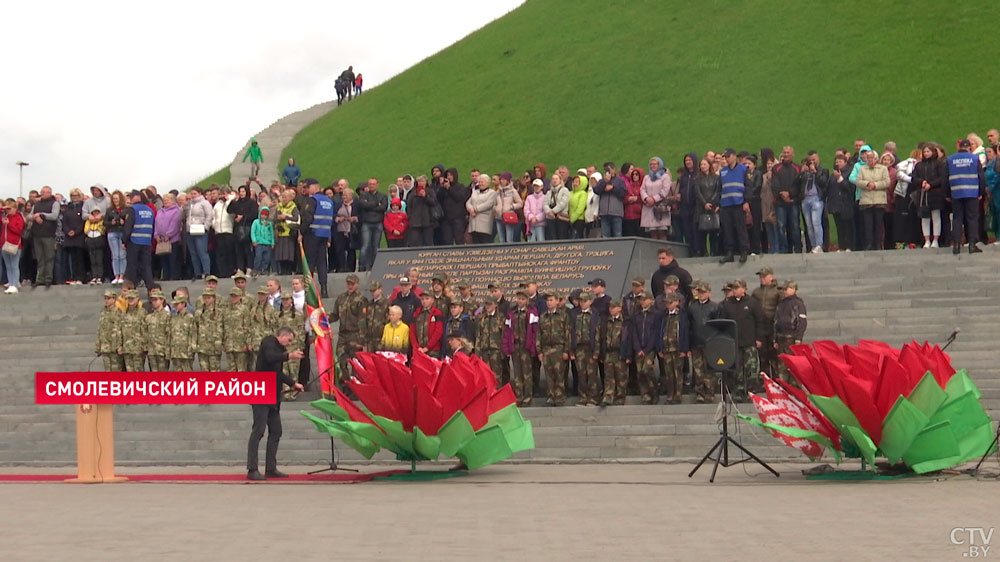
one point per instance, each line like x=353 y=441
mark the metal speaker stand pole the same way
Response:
x=722 y=445
x=996 y=439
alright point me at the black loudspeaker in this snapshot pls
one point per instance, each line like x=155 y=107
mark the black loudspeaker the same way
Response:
x=721 y=349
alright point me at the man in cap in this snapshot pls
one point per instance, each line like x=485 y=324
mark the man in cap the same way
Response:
x=137 y=235
x=236 y=332
x=789 y=325
x=470 y=305
x=700 y=311
x=406 y=300
x=749 y=318
x=349 y=310
x=427 y=328
x=496 y=291
x=183 y=335
x=767 y=295
x=240 y=281
x=109 y=334
x=133 y=329
x=317 y=225
x=630 y=302
x=263 y=321
x=519 y=336
x=614 y=353
x=442 y=301
x=553 y=337
x=966 y=186
x=211 y=282
x=377 y=316
x=734 y=205
x=209 y=322
x=157 y=324
x=458 y=322
x=584 y=349
x=489 y=339
x=644 y=335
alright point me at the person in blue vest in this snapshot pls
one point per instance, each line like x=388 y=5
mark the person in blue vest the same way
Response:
x=733 y=205
x=966 y=184
x=137 y=237
x=317 y=222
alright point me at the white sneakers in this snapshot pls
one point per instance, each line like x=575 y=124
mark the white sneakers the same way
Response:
x=11 y=290
x=934 y=244
x=817 y=250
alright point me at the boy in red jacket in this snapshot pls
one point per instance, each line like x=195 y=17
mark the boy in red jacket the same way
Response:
x=427 y=327
x=395 y=223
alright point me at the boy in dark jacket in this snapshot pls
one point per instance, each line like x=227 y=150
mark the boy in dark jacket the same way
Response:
x=460 y=323
x=519 y=336
x=644 y=335
x=789 y=325
x=700 y=311
x=750 y=327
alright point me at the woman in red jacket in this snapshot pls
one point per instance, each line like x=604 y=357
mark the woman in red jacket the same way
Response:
x=427 y=327
x=395 y=223
x=13 y=226
x=633 y=203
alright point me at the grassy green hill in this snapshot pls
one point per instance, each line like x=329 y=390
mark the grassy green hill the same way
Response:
x=578 y=82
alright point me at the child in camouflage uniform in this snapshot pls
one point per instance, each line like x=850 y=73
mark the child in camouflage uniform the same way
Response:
x=489 y=339
x=614 y=351
x=236 y=334
x=673 y=349
x=263 y=320
x=553 y=340
x=209 y=322
x=157 y=325
x=133 y=329
x=294 y=320
x=109 y=334
x=183 y=335
x=584 y=351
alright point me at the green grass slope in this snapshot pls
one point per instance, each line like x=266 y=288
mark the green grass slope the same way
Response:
x=220 y=177
x=578 y=82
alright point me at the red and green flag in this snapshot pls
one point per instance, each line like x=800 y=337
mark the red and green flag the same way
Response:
x=320 y=322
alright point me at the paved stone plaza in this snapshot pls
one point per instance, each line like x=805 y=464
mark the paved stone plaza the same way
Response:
x=607 y=512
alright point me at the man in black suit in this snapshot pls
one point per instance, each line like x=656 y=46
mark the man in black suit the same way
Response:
x=273 y=352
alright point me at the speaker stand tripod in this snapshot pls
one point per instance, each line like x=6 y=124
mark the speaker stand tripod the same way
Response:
x=722 y=445
x=333 y=445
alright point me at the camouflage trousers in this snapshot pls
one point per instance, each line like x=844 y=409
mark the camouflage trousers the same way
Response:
x=158 y=363
x=521 y=375
x=704 y=380
x=648 y=372
x=615 y=379
x=495 y=360
x=555 y=374
x=672 y=383
x=587 y=376
x=348 y=344
x=748 y=377
x=210 y=362
x=784 y=346
x=182 y=365
x=135 y=362
x=290 y=369
x=238 y=361
x=768 y=355
x=113 y=362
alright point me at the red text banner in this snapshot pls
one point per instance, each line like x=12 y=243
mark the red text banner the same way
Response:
x=155 y=388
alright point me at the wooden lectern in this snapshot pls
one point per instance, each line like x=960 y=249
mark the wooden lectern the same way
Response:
x=95 y=445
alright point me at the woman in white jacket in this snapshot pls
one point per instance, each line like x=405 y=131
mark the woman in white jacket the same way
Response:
x=905 y=223
x=481 y=205
x=557 y=225
x=222 y=224
x=591 y=215
x=199 y=220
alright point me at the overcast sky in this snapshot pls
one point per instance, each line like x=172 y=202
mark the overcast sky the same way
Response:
x=132 y=93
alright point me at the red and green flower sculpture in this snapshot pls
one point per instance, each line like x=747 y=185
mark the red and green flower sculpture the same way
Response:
x=427 y=410
x=908 y=405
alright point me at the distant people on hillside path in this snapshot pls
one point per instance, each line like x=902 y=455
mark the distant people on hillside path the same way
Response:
x=255 y=158
x=347 y=77
x=357 y=85
x=291 y=174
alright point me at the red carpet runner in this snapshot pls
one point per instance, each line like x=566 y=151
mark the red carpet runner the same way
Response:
x=323 y=478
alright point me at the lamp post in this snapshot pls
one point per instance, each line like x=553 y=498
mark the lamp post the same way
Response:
x=20 y=169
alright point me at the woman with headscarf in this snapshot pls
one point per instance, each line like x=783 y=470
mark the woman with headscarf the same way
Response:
x=655 y=196
x=632 y=213
x=286 y=232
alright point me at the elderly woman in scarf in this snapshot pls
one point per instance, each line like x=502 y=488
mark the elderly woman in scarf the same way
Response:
x=656 y=200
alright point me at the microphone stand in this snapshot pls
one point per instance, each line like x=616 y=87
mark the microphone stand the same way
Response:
x=333 y=467
x=951 y=339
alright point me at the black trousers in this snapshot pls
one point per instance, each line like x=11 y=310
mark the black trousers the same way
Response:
x=139 y=264
x=755 y=228
x=734 y=230
x=872 y=217
x=315 y=248
x=453 y=231
x=225 y=254
x=269 y=417
x=845 y=230
x=420 y=236
x=243 y=252
x=482 y=238
x=964 y=211
x=347 y=257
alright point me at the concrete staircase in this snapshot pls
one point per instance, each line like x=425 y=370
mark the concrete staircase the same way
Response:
x=272 y=142
x=894 y=296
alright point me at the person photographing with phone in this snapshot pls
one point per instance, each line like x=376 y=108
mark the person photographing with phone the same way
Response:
x=272 y=355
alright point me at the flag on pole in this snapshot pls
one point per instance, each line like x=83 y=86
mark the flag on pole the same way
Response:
x=323 y=344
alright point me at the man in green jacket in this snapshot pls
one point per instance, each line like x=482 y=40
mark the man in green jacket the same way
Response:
x=255 y=156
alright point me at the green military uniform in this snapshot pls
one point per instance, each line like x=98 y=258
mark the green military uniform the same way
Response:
x=263 y=322
x=133 y=330
x=469 y=305
x=768 y=297
x=158 y=336
x=210 y=326
x=109 y=335
x=553 y=347
x=789 y=328
x=522 y=380
x=349 y=310
x=441 y=302
x=584 y=357
x=376 y=318
x=183 y=337
x=615 y=368
x=200 y=303
x=489 y=337
x=294 y=320
x=236 y=333
x=672 y=382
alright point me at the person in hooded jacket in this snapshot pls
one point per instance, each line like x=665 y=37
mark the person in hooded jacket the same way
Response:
x=578 y=206
x=453 y=195
x=419 y=202
x=633 y=202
